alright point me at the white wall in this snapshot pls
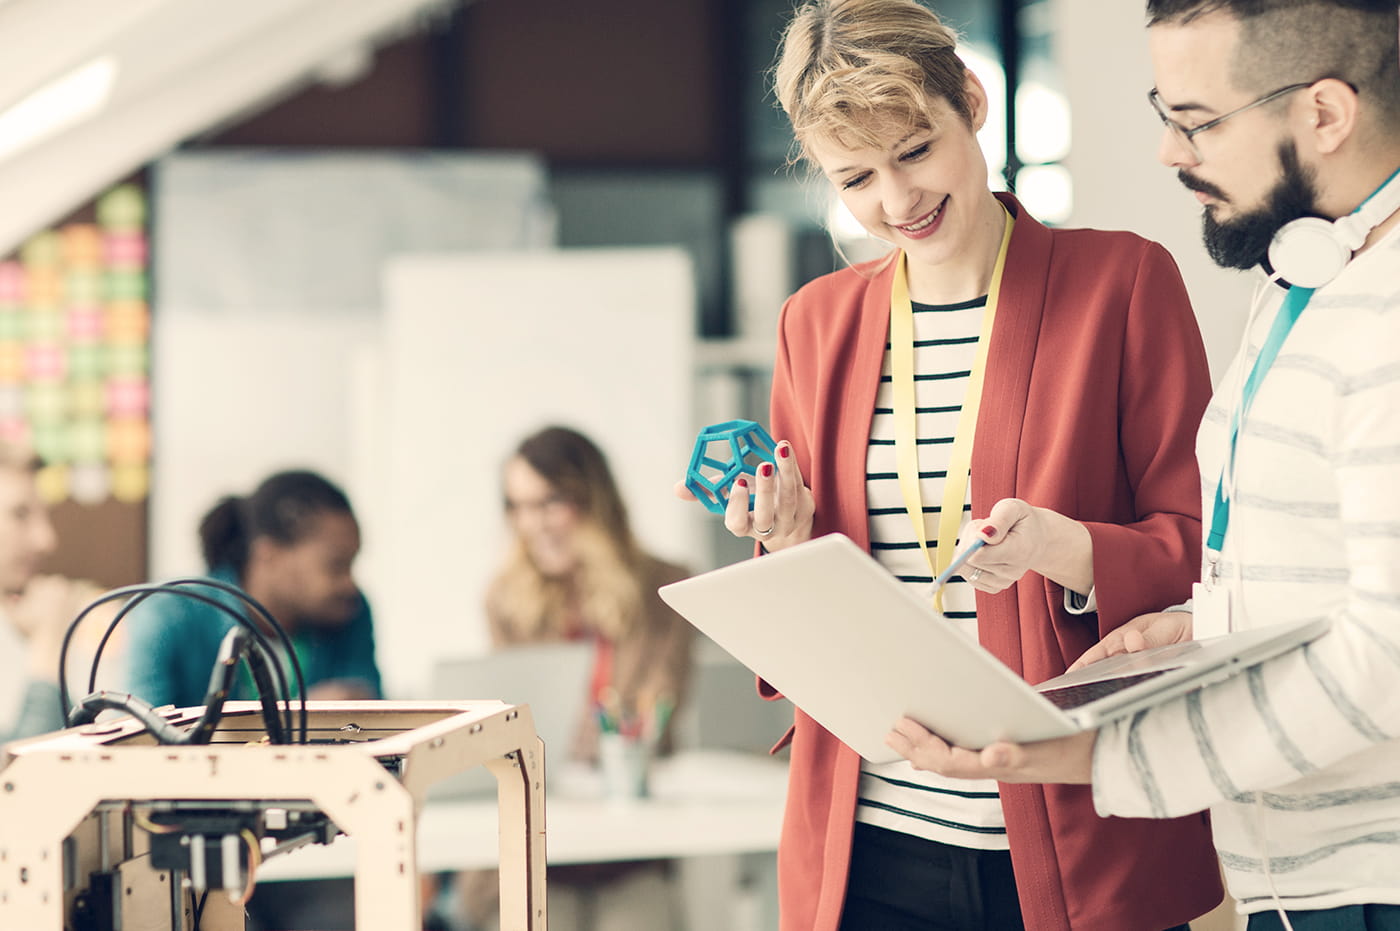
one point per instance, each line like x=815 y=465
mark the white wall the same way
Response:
x=478 y=351
x=1101 y=47
x=267 y=305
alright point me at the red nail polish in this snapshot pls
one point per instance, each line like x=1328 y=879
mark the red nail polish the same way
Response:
x=989 y=531
x=766 y=470
x=784 y=451
x=741 y=482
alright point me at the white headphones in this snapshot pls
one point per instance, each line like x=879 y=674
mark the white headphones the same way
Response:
x=1311 y=251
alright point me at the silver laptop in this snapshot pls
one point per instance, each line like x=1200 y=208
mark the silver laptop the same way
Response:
x=552 y=678
x=855 y=649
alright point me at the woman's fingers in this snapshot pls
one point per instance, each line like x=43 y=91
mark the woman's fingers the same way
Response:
x=766 y=501
x=783 y=506
x=736 y=512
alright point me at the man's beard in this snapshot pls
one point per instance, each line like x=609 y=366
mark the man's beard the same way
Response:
x=1244 y=241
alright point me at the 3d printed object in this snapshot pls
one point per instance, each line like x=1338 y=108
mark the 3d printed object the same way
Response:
x=722 y=453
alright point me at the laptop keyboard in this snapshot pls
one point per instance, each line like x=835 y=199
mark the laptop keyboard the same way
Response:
x=1073 y=696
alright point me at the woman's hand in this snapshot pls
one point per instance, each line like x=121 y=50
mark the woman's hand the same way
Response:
x=1022 y=538
x=782 y=503
x=1141 y=633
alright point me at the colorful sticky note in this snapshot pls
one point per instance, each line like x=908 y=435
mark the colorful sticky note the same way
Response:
x=51 y=442
x=124 y=249
x=11 y=402
x=122 y=208
x=87 y=441
x=11 y=284
x=12 y=324
x=125 y=285
x=89 y=483
x=82 y=287
x=86 y=361
x=130 y=483
x=80 y=244
x=44 y=324
x=44 y=362
x=130 y=359
x=128 y=396
x=128 y=440
x=11 y=362
x=52 y=482
x=128 y=321
x=40 y=250
x=43 y=286
x=47 y=403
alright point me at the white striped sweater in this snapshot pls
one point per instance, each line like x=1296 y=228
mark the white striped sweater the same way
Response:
x=1298 y=759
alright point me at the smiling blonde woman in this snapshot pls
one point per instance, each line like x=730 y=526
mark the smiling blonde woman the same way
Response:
x=1038 y=389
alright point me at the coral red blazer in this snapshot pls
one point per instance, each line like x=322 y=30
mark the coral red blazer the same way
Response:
x=1096 y=381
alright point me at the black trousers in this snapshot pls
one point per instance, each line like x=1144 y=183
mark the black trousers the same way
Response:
x=899 y=882
x=1346 y=918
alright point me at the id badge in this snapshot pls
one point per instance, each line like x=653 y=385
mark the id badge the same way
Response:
x=1210 y=609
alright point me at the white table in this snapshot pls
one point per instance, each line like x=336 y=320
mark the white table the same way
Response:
x=716 y=805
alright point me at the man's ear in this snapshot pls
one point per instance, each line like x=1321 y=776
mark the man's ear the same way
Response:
x=1332 y=109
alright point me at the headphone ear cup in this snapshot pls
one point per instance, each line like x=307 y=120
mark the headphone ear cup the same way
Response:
x=1308 y=252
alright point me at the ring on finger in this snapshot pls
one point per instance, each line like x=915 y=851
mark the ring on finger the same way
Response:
x=976 y=574
x=765 y=533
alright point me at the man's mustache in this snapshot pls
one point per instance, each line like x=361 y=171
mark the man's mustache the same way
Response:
x=1192 y=183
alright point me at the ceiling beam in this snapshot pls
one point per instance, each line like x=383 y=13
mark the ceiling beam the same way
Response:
x=171 y=88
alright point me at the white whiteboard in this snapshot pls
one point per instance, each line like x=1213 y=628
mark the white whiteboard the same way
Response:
x=478 y=350
x=239 y=396
x=268 y=306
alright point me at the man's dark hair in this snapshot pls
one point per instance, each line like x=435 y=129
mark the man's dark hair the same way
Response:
x=1288 y=41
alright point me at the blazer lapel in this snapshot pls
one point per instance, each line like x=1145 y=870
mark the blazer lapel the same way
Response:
x=1001 y=421
x=867 y=358
x=1020 y=308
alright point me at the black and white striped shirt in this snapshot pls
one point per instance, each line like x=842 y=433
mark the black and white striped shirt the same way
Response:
x=895 y=795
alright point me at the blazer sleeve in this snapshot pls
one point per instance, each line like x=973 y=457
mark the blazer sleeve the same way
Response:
x=1149 y=563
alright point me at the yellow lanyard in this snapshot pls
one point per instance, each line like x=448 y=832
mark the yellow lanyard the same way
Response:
x=905 y=428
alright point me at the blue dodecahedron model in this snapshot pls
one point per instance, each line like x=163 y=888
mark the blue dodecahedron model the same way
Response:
x=723 y=452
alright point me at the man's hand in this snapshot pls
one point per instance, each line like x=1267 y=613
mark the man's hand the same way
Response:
x=42 y=612
x=1063 y=759
x=1141 y=633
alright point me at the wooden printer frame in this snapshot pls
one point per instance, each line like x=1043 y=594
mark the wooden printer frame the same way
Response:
x=75 y=806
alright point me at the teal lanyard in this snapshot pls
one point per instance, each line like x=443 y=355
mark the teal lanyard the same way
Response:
x=1288 y=314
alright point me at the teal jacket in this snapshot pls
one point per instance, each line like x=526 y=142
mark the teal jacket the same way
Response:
x=172 y=642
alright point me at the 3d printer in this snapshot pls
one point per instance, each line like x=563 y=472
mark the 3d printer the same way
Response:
x=160 y=819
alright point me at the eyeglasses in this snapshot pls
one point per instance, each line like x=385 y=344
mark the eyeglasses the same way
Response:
x=1187 y=135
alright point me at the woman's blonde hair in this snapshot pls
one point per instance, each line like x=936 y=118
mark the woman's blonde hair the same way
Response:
x=603 y=594
x=850 y=71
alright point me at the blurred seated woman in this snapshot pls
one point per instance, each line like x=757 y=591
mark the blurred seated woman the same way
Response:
x=574 y=571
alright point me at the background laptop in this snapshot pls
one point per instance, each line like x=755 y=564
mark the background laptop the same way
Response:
x=552 y=678
x=850 y=645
